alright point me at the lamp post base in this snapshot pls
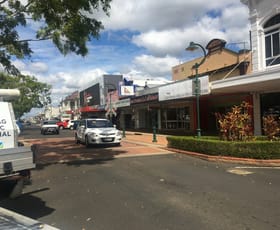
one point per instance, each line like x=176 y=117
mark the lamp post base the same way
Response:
x=198 y=131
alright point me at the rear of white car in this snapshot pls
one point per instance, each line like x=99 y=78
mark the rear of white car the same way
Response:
x=97 y=132
x=49 y=126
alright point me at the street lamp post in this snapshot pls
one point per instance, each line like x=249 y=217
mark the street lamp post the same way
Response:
x=193 y=46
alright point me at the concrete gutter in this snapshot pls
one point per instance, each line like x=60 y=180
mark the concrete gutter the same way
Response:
x=228 y=159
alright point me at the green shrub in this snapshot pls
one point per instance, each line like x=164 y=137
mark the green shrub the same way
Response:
x=258 y=149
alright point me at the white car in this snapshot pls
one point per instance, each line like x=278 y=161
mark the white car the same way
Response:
x=49 y=126
x=97 y=131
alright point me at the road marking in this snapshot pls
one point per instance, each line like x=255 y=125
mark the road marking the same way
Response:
x=239 y=172
x=257 y=167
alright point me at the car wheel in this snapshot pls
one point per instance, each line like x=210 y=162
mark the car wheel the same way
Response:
x=71 y=127
x=60 y=127
x=87 y=142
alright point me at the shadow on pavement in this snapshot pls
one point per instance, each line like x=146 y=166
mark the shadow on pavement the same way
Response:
x=50 y=151
x=27 y=205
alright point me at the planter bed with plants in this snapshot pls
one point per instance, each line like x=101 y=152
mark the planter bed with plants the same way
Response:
x=256 y=149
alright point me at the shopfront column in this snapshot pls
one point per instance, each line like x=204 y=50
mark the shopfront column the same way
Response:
x=257 y=114
x=159 y=119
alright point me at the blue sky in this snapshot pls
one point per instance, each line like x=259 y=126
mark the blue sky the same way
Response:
x=141 y=40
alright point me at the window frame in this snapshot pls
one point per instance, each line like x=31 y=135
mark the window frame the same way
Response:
x=272 y=56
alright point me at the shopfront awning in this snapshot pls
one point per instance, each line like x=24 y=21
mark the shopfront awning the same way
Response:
x=261 y=82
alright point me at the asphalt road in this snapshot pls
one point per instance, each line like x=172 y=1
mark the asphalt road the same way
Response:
x=31 y=132
x=152 y=192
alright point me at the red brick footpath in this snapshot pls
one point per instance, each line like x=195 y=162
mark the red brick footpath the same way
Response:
x=61 y=150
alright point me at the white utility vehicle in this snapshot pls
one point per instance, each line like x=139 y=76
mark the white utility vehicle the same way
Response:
x=16 y=160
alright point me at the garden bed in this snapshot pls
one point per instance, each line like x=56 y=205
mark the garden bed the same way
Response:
x=210 y=145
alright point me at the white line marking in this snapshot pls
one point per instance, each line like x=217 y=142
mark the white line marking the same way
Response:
x=257 y=167
x=239 y=172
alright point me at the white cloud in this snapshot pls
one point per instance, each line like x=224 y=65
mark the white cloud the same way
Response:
x=19 y=64
x=149 y=15
x=174 y=41
x=38 y=67
x=156 y=67
x=31 y=68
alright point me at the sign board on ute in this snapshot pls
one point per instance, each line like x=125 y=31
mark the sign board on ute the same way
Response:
x=7 y=129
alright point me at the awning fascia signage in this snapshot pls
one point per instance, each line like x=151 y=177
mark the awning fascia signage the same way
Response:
x=122 y=103
x=183 y=89
x=144 y=98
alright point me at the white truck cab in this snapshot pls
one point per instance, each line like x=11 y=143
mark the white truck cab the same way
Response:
x=16 y=160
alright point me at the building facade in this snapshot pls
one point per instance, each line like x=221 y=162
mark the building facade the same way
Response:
x=264 y=81
x=93 y=100
x=178 y=100
x=171 y=107
x=220 y=63
x=69 y=107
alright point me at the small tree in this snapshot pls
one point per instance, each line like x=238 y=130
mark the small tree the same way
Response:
x=237 y=124
x=271 y=127
x=33 y=94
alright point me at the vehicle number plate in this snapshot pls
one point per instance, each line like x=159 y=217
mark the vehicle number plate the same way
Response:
x=107 y=139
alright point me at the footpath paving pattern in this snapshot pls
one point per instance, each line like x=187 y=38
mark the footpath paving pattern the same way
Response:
x=61 y=150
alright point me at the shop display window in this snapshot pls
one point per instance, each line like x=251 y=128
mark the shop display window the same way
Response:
x=176 y=118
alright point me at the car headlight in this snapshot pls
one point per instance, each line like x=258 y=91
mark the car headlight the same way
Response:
x=92 y=134
x=119 y=133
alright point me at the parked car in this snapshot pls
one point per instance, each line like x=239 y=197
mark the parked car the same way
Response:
x=72 y=124
x=49 y=126
x=19 y=126
x=96 y=131
x=62 y=124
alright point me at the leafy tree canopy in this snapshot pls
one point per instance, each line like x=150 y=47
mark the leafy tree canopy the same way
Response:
x=33 y=94
x=69 y=24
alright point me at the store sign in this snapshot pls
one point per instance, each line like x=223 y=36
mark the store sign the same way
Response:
x=144 y=98
x=183 y=89
x=6 y=127
x=127 y=90
x=123 y=103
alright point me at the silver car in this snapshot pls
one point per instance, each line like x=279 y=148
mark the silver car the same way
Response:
x=94 y=131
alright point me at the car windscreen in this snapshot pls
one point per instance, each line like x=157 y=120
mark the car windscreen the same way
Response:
x=49 y=122
x=99 y=123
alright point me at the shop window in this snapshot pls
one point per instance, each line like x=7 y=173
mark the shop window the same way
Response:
x=270 y=104
x=176 y=118
x=272 y=41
